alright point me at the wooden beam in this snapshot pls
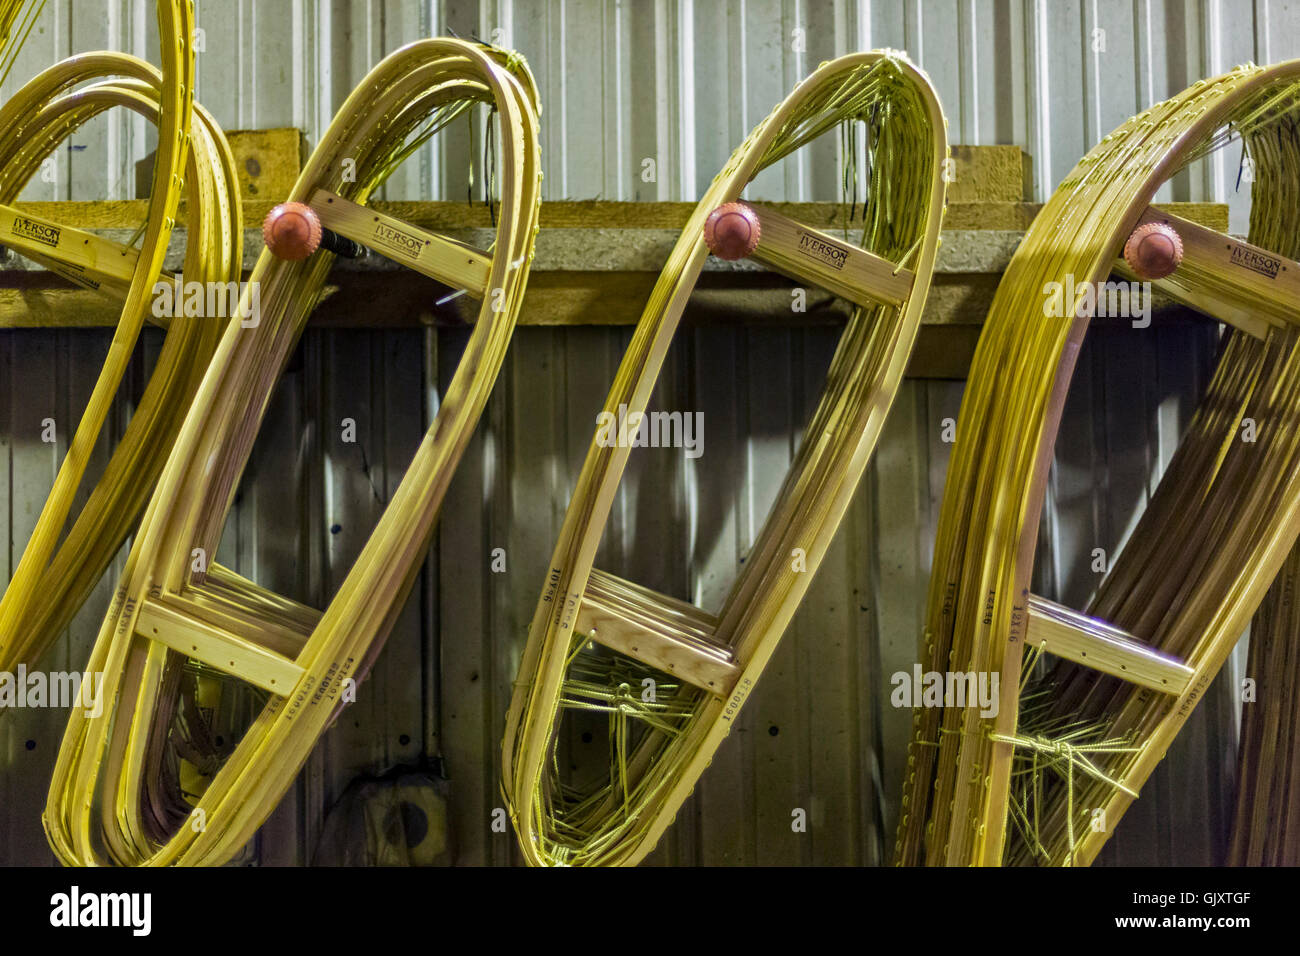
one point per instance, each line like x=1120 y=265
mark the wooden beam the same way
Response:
x=216 y=646
x=267 y=161
x=267 y=164
x=989 y=173
x=1096 y=644
x=445 y=216
x=580 y=287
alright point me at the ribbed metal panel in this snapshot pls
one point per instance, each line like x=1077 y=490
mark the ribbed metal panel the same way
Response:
x=681 y=83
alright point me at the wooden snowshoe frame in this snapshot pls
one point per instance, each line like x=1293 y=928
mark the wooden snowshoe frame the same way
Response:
x=706 y=665
x=1085 y=736
x=104 y=805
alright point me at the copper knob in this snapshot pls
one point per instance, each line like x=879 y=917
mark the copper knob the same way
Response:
x=292 y=230
x=1153 y=251
x=732 y=231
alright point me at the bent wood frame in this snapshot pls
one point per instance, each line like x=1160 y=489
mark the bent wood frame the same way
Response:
x=104 y=804
x=723 y=656
x=956 y=802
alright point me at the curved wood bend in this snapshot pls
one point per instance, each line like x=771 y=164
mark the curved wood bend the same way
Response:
x=983 y=787
x=58 y=570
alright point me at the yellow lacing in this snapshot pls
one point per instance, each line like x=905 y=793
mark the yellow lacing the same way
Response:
x=1054 y=752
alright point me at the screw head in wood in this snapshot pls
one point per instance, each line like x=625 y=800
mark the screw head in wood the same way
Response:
x=292 y=231
x=1154 y=250
x=732 y=231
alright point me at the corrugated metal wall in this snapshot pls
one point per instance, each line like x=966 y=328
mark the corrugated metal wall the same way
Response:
x=819 y=732
x=680 y=82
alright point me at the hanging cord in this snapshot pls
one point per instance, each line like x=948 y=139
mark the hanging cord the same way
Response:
x=10 y=13
x=490 y=168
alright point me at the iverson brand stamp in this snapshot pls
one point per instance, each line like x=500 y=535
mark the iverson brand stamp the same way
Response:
x=36 y=231
x=388 y=237
x=1256 y=261
x=827 y=253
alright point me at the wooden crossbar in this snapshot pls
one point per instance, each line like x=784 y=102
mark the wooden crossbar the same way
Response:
x=81 y=257
x=672 y=635
x=1096 y=644
x=453 y=263
x=1228 y=279
x=217 y=646
x=810 y=255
